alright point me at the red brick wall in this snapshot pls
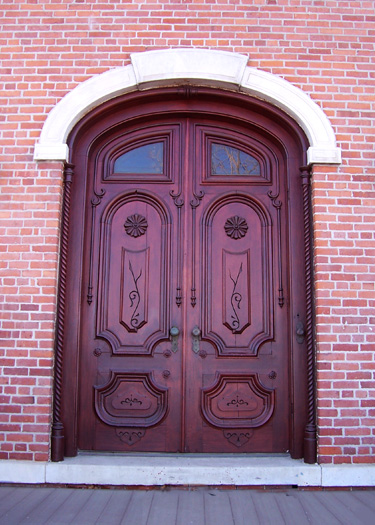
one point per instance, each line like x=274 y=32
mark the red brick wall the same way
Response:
x=324 y=47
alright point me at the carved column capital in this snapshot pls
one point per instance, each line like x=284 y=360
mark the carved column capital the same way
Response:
x=306 y=174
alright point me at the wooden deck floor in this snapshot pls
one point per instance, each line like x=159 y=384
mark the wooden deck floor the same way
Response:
x=201 y=506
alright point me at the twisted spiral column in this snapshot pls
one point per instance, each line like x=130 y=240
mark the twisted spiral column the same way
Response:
x=57 y=436
x=310 y=442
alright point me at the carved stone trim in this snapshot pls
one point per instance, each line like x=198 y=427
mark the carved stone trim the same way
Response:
x=57 y=437
x=188 y=66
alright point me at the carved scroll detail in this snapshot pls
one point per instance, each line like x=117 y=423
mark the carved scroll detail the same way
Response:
x=57 y=441
x=135 y=277
x=194 y=203
x=130 y=436
x=134 y=297
x=237 y=402
x=236 y=292
x=238 y=437
x=235 y=300
x=95 y=201
x=277 y=204
x=310 y=430
x=131 y=401
x=179 y=203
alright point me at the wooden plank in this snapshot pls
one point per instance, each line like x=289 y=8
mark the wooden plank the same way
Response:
x=45 y=509
x=291 y=508
x=6 y=492
x=218 y=508
x=38 y=506
x=115 y=509
x=67 y=512
x=267 y=508
x=317 y=513
x=243 y=507
x=94 y=506
x=366 y=497
x=342 y=512
x=138 y=509
x=20 y=510
x=191 y=507
x=164 y=508
x=360 y=509
x=14 y=498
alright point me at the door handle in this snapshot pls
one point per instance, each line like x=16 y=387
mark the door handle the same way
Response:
x=196 y=333
x=300 y=331
x=174 y=332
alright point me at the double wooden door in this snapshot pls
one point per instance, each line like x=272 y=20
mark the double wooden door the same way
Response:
x=184 y=339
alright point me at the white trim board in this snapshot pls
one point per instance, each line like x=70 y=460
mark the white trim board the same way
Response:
x=154 y=470
x=172 y=67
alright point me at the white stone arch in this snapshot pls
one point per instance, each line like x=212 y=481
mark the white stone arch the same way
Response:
x=193 y=67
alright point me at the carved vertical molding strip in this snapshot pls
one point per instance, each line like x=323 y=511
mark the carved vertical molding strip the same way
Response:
x=57 y=437
x=194 y=203
x=94 y=203
x=310 y=441
x=179 y=203
x=277 y=204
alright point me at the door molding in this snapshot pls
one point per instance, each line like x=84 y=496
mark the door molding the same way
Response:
x=193 y=67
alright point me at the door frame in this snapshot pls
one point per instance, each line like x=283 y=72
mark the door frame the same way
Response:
x=302 y=388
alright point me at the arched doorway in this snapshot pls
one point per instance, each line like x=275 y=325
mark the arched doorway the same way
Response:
x=185 y=287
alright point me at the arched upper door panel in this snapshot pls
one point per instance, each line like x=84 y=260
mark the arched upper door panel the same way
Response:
x=139 y=137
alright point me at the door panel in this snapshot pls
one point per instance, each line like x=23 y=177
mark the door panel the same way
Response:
x=237 y=278
x=134 y=284
x=184 y=339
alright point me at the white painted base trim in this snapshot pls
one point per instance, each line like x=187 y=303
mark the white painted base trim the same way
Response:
x=146 y=470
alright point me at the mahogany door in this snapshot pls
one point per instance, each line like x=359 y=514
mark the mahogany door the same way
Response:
x=184 y=339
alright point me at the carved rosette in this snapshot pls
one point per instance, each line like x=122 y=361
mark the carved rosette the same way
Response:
x=236 y=227
x=136 y=225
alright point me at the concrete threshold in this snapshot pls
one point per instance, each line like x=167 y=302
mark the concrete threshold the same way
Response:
x=159 y=470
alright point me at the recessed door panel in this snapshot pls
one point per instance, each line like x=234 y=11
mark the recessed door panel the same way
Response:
x=134 y=283
x=238 y=283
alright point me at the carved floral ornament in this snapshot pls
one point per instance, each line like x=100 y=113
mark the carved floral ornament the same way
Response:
x=136 y=225
x=236 y=227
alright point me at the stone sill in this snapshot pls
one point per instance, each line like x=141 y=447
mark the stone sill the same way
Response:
x=190 y=470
